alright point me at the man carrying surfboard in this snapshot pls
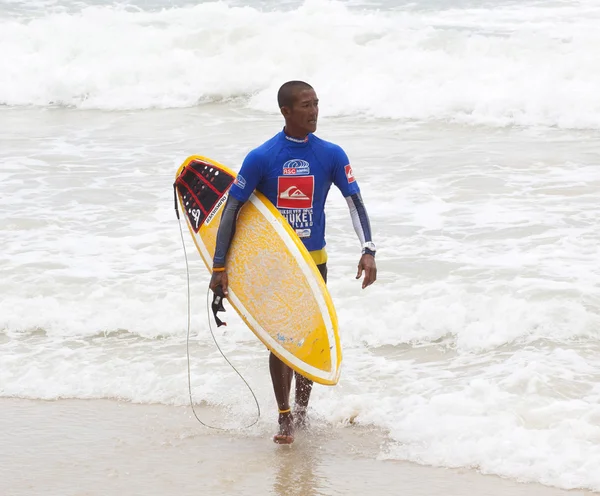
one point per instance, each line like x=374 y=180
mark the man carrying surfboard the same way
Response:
x=295 y=170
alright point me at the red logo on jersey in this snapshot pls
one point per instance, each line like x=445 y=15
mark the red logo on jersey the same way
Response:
x=349 y=174
x=295 y=191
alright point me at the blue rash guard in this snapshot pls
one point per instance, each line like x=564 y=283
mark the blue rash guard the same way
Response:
x=296 y=175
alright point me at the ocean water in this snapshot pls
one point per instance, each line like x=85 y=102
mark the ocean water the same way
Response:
x=473 y=130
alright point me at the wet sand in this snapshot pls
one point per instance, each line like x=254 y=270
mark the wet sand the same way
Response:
x=101 y=447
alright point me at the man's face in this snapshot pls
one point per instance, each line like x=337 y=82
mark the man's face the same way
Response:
x=304 y=112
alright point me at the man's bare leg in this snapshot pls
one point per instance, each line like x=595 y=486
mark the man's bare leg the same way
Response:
x=281 y=376
x=303 y=390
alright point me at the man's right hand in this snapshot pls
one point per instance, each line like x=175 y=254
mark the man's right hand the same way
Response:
x=218 y=281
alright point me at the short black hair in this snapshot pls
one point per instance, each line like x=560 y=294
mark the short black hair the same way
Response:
x=285 y=95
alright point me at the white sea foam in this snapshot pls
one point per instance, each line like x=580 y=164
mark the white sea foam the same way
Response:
x=526 y=64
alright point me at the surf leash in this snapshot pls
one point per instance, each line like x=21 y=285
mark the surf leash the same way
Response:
x=217 y=305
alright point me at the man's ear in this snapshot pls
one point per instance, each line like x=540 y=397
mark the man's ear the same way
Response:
x=285 y=111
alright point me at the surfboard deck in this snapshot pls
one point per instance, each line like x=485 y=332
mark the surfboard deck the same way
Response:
x=274 y=284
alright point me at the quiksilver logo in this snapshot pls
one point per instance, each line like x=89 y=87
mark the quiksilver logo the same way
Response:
x=349 y=173
x=216 y=209
x=293 y=193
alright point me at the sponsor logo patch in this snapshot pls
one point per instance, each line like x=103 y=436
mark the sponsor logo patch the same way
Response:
x=303 y=233
x=296 y=167
x=240 y=182
x=295 y=192
x=349 y=174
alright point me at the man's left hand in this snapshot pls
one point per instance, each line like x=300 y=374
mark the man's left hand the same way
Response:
x=367 y=264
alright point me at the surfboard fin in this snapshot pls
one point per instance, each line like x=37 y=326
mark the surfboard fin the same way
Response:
x=217 y=306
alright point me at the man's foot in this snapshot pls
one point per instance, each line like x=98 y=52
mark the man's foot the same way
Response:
x=300 y=417
x=286 y=429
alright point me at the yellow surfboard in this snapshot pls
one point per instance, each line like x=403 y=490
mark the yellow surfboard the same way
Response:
x=274 y=284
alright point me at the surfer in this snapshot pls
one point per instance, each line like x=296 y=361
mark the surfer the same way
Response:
x=294 y=170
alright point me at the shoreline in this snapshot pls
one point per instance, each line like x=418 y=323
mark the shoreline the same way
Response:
x=92 y=447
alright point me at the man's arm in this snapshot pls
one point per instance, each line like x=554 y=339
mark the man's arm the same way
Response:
x=218 y=281
x=362 y=226
x=239 y=192
x=226 y=230
x=360 y=220
x=344 y=179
